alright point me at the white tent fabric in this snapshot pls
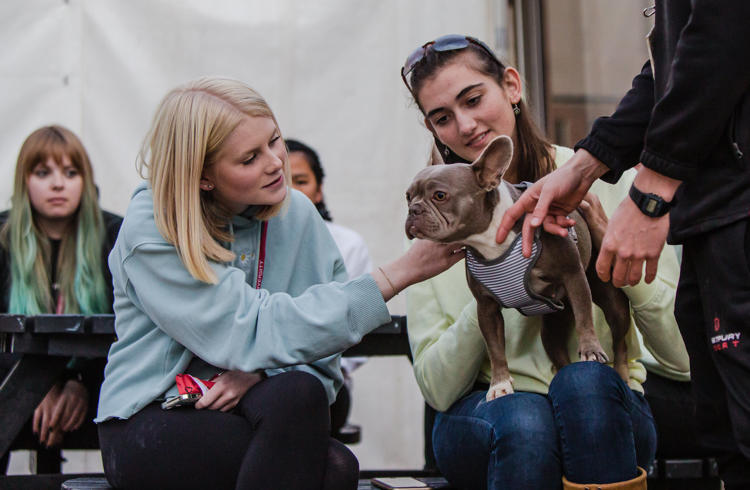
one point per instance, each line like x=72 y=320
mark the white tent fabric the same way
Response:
x=328 y=68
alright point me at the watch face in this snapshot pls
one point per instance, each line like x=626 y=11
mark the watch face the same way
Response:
x=650 y=204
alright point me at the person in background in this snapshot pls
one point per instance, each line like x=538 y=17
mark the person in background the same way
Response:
x=307 y=177
x=211 y=279
x=54 y=243
x=580 y=426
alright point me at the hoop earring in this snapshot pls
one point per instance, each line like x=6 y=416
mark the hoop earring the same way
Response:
x=516 y=109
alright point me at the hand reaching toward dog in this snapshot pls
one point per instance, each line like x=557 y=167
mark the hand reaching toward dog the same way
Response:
x=63 y=409
x=549 y=200
x=230 y=387
x=423 y=260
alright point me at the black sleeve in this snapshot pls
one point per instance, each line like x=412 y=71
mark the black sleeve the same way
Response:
x=112 y=223
x=708 y=77
x=617 y=140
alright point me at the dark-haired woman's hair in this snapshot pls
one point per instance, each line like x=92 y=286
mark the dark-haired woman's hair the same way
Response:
x=317 y=169
x=534 y=157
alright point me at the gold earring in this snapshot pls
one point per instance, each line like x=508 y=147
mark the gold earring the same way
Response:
x=516 y=109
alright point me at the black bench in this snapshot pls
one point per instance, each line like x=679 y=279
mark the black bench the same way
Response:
x=45 y=341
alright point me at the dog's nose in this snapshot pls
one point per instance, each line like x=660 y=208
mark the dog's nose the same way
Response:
x=415 y=210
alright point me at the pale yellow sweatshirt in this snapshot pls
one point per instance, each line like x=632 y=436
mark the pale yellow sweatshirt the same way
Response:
x=450 y=354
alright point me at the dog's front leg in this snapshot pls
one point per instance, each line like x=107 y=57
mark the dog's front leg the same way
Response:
x=493 y=329
x=579 y=295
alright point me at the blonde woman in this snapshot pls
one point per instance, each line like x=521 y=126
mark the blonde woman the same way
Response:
x=53 y=247
x=221 y=269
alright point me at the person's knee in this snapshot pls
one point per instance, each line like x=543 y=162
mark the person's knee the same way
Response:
x=342 y=467
x=293 y=392
x=585 y=380
x=531 y=428
x=304 y=386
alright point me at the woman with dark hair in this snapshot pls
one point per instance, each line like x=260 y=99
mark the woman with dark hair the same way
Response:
x=54 y=243
x=574 y=427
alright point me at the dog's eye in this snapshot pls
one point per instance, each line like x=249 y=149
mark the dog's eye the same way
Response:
x=439 y=196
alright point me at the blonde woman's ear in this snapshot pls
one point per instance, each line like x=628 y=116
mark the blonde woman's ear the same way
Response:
x=205 y=185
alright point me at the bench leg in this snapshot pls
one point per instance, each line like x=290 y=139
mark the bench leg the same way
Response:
x=48 y=461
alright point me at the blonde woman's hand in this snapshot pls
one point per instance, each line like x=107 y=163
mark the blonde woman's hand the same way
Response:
x=426 y=259
x=230 y=387
x=423 y=260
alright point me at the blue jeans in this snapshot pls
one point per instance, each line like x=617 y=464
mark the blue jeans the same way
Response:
x=590 y=427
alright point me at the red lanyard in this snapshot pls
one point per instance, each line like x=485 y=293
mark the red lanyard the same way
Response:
x=261 y=254
x=60 y=306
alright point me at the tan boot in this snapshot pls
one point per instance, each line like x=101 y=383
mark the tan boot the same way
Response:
x=637 y=483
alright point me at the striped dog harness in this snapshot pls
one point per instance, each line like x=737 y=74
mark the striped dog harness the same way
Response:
x=507 y=278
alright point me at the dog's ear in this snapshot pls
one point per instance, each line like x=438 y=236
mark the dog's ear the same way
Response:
x=435 y=157
x=493 y=162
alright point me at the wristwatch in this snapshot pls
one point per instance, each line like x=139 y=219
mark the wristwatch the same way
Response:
x=650 y=204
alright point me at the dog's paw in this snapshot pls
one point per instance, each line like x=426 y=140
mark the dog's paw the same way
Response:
x=596 y=353
x=502 y=388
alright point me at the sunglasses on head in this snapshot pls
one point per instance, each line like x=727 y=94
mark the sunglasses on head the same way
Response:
x=449 y=42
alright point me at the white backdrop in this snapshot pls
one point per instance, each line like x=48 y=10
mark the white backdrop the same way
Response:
x=328 y=68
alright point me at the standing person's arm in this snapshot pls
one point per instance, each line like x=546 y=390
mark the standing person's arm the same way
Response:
x=614 y=145
x=709 y=75
x=616 y=141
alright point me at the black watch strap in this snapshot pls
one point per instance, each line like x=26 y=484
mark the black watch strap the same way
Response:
x=651 y=205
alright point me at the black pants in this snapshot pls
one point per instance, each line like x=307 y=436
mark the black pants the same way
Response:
x=673 y=408
x=713 y=312
x=277 y=437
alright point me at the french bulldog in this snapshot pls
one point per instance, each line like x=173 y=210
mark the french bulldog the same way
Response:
x=464 y=203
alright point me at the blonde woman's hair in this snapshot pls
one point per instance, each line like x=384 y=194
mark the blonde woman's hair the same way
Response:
x=190 y=126
x=81 y=282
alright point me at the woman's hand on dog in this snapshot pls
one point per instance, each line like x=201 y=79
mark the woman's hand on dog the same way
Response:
x=423 y=260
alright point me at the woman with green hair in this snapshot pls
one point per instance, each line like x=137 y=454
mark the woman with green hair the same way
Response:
x=54 y=243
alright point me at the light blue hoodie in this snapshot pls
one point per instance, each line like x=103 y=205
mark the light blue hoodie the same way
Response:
x=167 y=322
